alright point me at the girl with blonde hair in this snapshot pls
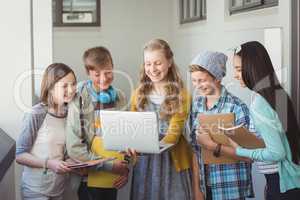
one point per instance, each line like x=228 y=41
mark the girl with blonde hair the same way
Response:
x=164 y=176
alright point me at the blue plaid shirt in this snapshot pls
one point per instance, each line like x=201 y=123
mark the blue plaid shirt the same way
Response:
x=227 y=181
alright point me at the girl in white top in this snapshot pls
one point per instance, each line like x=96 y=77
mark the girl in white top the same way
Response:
x=41 y=144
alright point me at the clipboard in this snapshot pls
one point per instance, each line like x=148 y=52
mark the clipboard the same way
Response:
x=212 y=122
x=243 y=137
x=220 y=128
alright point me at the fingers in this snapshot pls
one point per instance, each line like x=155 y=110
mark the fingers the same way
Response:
x=121 y=181
x=63 y=167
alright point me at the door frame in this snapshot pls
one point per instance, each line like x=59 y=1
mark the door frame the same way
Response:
x=295 y=82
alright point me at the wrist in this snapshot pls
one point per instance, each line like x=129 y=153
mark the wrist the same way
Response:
x=45 y=166
x=213 y=146
x=217 y=150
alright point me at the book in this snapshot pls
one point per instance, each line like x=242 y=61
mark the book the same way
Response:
x=89 y=163
x=221 y=127
x=211 y=123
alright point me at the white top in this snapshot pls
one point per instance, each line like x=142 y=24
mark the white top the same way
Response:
x=156 y=99
x=49 y=143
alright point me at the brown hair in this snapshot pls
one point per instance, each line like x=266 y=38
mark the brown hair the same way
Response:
x=52 y=75
x=197 y=68
x=96 y=57
x=172 y=88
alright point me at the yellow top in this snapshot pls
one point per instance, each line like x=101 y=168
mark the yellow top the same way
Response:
x=102 y=179
x=181 y=153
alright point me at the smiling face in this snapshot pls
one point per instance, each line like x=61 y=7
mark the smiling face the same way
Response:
x=237 y=63
x=102 y=77
x=156 y=65
x=204 y=83
x=63 y=91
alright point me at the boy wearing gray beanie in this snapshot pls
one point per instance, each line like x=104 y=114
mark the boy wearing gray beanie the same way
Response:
x=216 y=181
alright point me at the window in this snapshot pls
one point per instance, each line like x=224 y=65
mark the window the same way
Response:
x=76 y=12
x=192 y=10
x=236 y=6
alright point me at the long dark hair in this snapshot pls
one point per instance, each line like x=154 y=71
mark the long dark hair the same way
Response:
x=258 y=75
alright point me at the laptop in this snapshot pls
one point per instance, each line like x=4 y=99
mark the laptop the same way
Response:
x=137 y=130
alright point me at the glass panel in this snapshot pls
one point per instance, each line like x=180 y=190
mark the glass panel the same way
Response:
x=79 y=11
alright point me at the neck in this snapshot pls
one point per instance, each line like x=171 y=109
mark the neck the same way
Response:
x=96 y=88
x=58 y=110
x=158 y=88
x=213 y=98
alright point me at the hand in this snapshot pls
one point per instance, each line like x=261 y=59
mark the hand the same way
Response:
x=122 y=180
x=206 y=142
x=120 y=167
x=58 y=166
x=130 y=156
x=198 y=195
x=233 y=143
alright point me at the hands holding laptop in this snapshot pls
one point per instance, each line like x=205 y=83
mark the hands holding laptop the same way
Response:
x=122 y=168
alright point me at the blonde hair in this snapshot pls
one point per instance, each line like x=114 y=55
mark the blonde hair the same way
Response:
x=197 y=68
x=174 y=83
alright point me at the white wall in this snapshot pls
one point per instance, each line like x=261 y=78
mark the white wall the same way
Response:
x=125 y=27
x=43 y=39
x=16 y=63
x=220 y=32
x=15 y=59
x=15 y=51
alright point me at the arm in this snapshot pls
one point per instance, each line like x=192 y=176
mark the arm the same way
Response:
x=31 y=124
x=269 y=126
x=30 y=160
x=76 y=148
x=206 y=142
x=198 y=195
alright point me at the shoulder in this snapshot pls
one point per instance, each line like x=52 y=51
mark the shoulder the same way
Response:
x=261 y=106
x=236 y=102
x=185 y=96
x=134 y=95
x=122 y=100
x=234 y=99
x=38 y=109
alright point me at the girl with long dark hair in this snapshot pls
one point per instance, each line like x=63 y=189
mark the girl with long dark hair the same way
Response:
x=275 y=121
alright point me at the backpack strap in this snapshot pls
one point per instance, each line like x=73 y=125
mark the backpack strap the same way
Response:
x=83 y=135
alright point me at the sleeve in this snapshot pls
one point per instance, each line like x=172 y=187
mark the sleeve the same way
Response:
x=76 y=148
x=133 y=102
x=269 y=126
x=242 y=115
x=177 y=121
x=190 y=130
x=122 y=101
x=28 y=134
